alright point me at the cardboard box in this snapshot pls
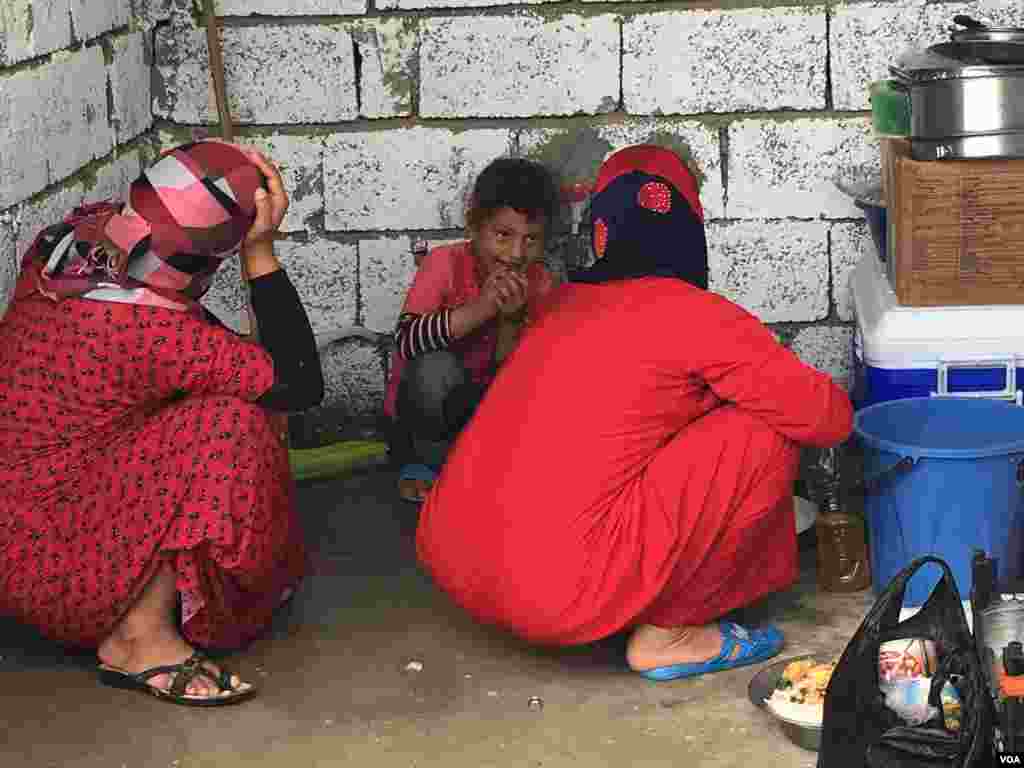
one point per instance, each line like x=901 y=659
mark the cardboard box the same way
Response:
x=956 y=228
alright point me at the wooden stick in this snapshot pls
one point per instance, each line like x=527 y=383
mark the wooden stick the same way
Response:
x=227 y=132
x=227 y=128
x=220 y=92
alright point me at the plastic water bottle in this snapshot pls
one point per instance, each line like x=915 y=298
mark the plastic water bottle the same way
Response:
x=843 y=564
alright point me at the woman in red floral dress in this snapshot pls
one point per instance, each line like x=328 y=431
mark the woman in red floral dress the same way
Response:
x=147 y=497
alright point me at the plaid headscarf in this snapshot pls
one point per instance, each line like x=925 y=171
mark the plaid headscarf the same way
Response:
x=646 y=219
x=184 y=216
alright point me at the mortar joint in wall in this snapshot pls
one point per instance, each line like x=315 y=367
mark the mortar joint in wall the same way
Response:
x=723 y=164
x=829 y=281
x=357 y=66
x=360 y=320
x=112 y=119
x=828 y=57
x=316 y=227
x=621 y=106
x=45 y=59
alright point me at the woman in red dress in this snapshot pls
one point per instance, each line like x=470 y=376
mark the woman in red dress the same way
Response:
x=147 y=497
x=645 y=481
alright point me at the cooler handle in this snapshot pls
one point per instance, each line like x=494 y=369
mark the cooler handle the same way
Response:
x=1009 y=392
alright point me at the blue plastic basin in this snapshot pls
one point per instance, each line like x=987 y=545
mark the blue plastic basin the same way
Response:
x=964 y=490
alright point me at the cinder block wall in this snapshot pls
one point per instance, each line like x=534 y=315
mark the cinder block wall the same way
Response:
x=75 y=113
x=381 y=111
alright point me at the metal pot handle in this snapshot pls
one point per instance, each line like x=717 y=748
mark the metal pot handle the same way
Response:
x=901 y=79
x=967 y=22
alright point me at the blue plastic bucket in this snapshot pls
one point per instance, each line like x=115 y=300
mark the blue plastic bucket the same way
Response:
x=945 y=476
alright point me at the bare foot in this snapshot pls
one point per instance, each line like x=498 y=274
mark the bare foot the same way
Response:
x=161 y=648
x=414 y=490
x=650 y=647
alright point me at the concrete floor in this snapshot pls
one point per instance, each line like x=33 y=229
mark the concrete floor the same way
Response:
x=336 y=692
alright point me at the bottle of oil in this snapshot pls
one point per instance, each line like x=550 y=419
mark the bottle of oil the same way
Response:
x=843 y=564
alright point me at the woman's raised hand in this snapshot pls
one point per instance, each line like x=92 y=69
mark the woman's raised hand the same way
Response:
x=271 y=205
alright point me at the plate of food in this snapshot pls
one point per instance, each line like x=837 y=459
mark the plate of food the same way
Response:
x=793 y=692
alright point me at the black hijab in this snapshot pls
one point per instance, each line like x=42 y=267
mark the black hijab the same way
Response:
x=646 y=219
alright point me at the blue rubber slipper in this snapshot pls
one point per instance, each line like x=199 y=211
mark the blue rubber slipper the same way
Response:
x=754 y=646
x=414 y=472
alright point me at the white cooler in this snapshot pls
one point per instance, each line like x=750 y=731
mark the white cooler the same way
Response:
x=962 y=351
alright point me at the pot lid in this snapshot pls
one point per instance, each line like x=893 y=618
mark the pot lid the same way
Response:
x=973 y=31
x=931 y=64
x=989 y=35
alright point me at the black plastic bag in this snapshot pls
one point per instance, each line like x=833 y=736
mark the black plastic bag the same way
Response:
x=860 y=731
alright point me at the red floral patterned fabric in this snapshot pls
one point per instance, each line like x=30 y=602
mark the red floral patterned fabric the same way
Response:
x=128 y=431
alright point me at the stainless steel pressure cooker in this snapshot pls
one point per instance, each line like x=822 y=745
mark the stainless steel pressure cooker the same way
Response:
x=967 y=94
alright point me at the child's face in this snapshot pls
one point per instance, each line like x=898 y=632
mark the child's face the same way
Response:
x=508 y=240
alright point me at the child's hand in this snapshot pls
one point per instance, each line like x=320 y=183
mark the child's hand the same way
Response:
x=509 y=291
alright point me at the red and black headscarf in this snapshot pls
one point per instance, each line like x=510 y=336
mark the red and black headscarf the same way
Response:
x=184 y=216
x=646 y=219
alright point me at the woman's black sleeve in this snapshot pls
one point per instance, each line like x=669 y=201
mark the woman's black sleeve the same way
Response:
x=285 y=332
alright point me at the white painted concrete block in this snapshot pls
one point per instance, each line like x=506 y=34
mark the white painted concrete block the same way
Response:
x=522 y=65
x=353 y=377
x=386 y=270
x=53 y=120
x=849 y=243
x=130 y=79
x=388 y=50
x=1003 y=13
x=114 y=178
x=689 y=62
x=291 y=7
x=9 y=264
x=780 y=168
x=776 y=270
x=226 y=299
x=23 y=169
x=324 y=274
x=148 y=13
x=77 y=127
x=827 y=348
x=90 y=18
x=577 y=153
x=866 y=38
x=300 y=160
x=30 y=28
x=275 y=74
x=407 y=178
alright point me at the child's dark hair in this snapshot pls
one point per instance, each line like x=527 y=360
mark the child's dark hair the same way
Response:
x=514 y=182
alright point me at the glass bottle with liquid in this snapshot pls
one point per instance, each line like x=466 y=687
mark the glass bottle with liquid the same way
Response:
x=843 y=564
